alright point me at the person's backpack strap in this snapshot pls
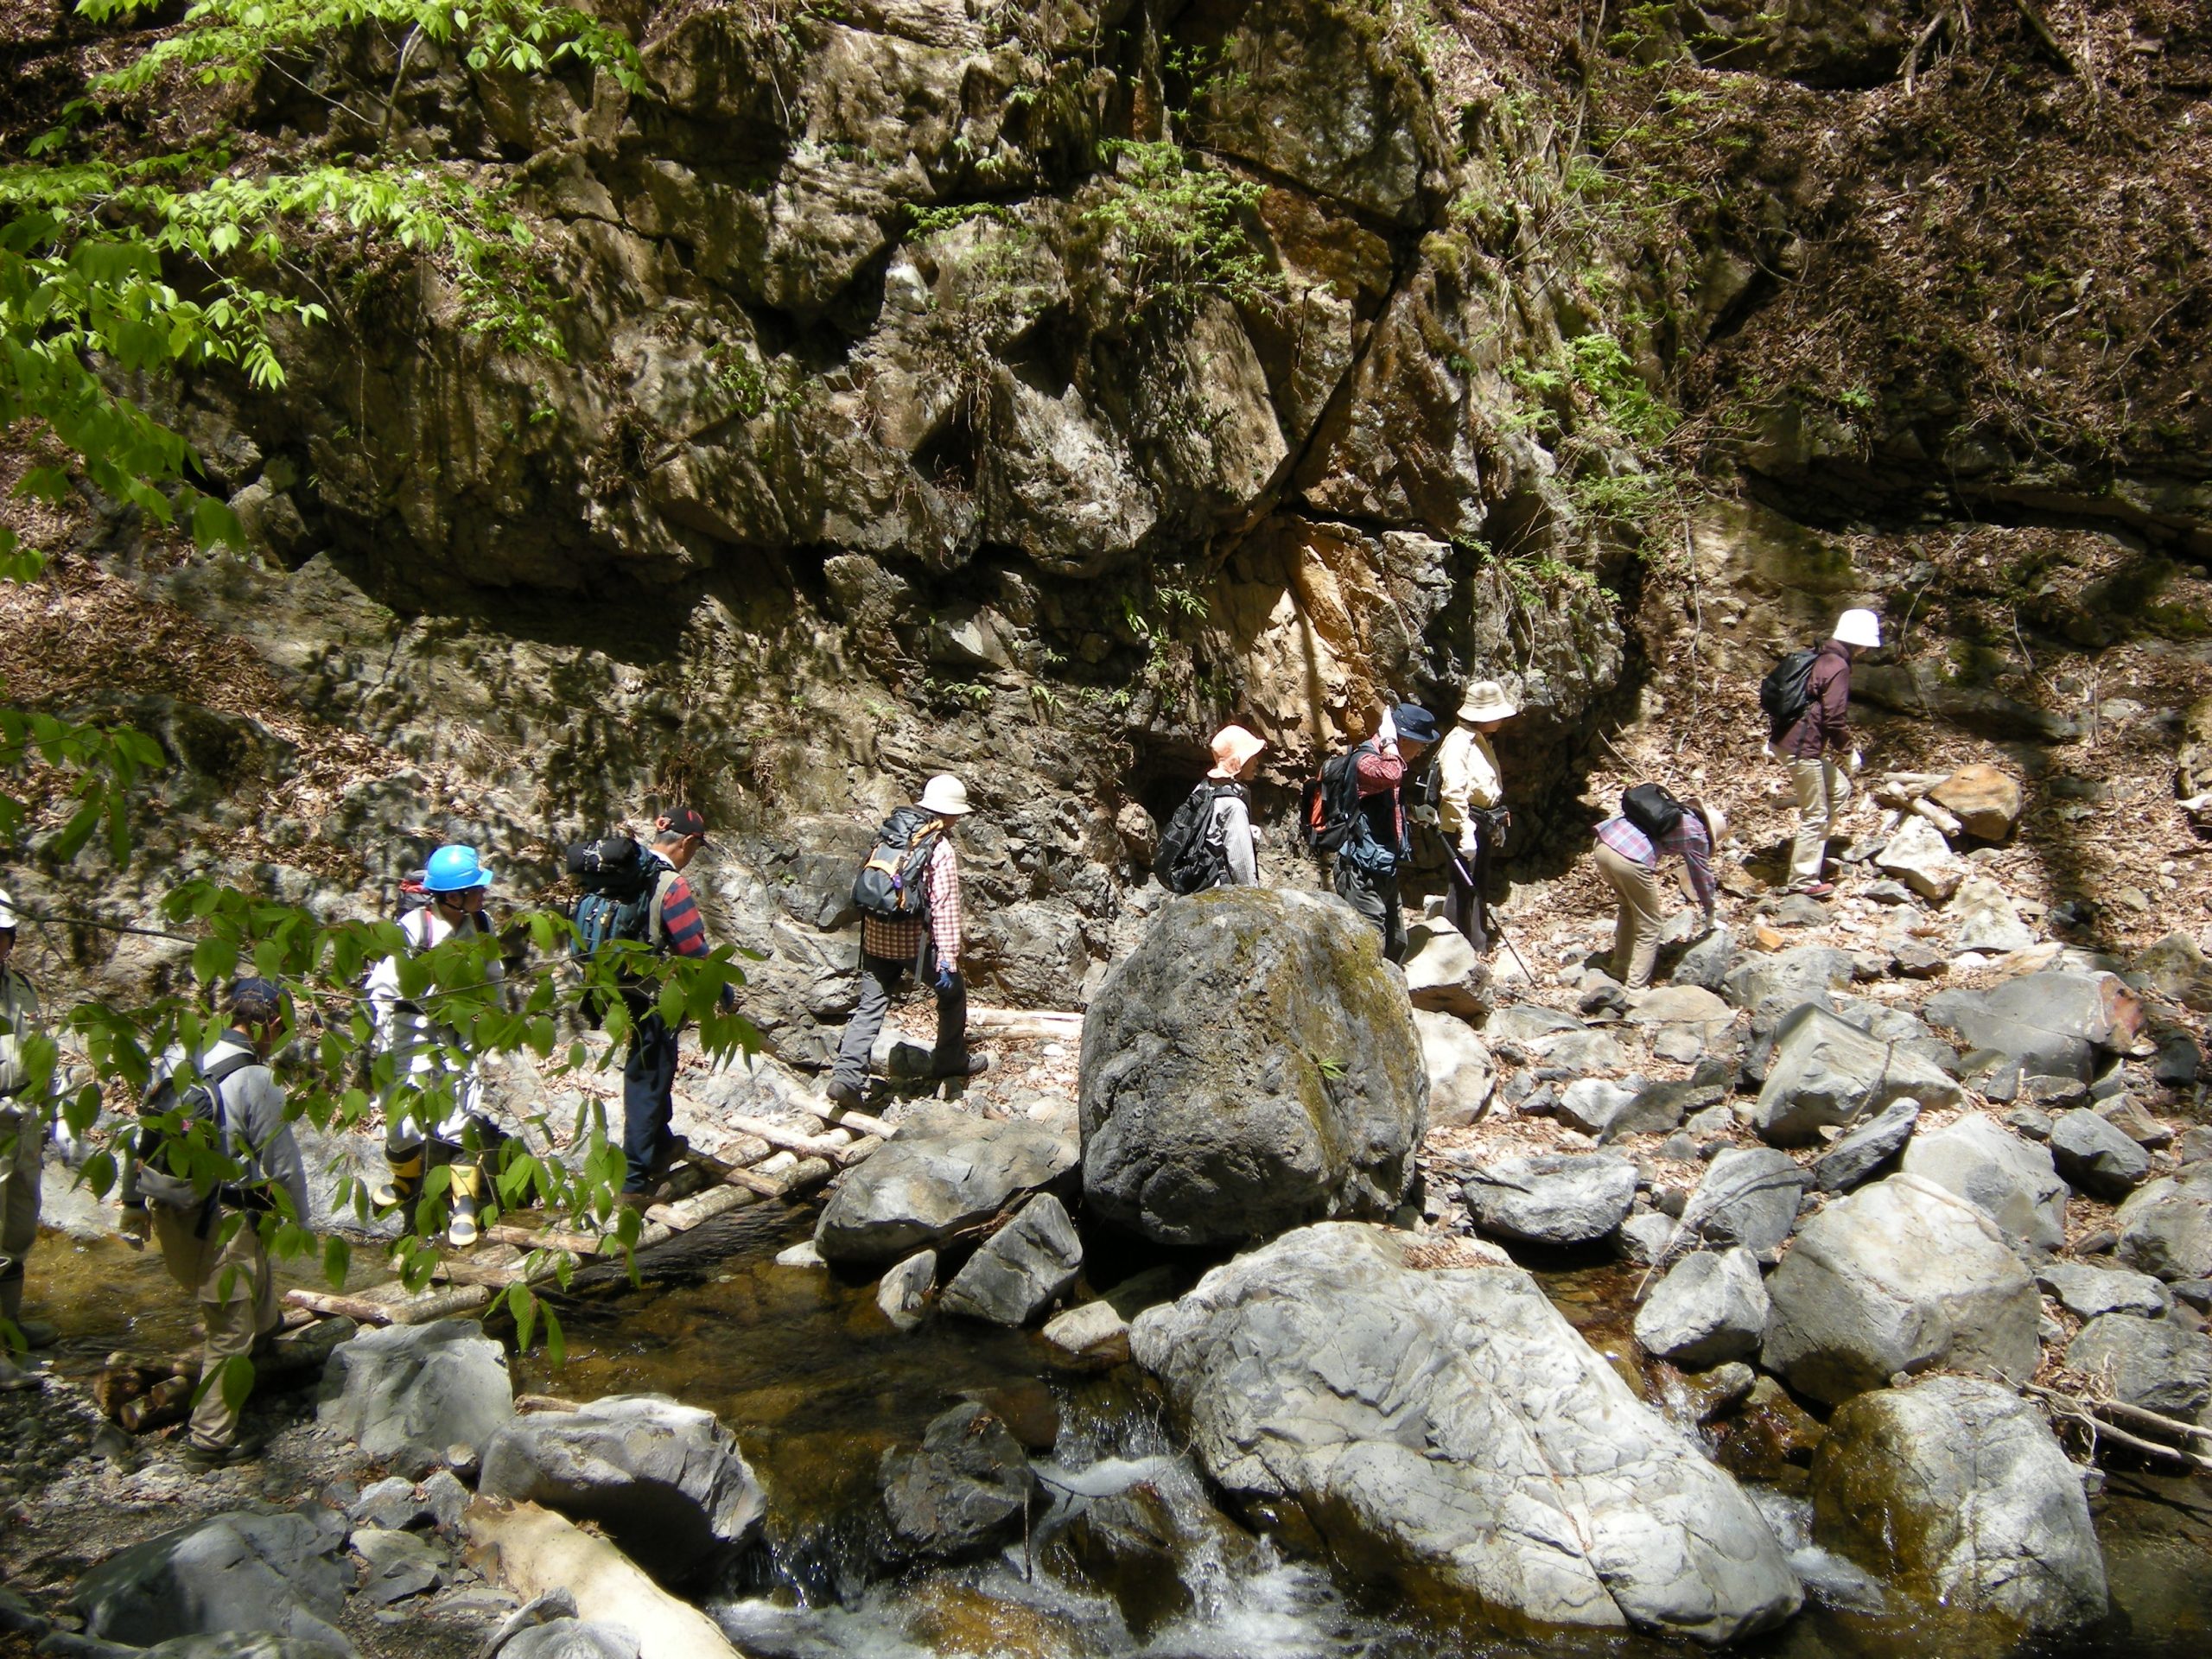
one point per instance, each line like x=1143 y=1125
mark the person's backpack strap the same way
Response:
x=664 y=878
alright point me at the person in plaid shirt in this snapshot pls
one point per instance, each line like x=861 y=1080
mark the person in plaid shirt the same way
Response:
x=930 y=949
x=649 y=1145
x=1630 y=863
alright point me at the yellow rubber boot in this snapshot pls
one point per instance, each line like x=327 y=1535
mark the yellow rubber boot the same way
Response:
x=403 y=1183
x=467 y=1187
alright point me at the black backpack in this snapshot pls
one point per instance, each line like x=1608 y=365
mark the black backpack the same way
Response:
x=1328 y=808
x=890 y=886
x=1786 y=691
x=1191 y=858
x=1652 y=810
x=619 y=879
x=201 y=1102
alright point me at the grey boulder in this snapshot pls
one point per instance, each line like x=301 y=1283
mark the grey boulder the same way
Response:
x=1557 y=1199
x=2153 y=1364
x=903 y=1295
x=1903 y=1275
x=2086 y=1292
x=1853 y=1157
x=666 y=1480
x=1788 y=978
x=1461 y=1074
x=2048 y=1024
x=1750 y=1195
x=2013 y=1180
x=2165 y=1226
x=1711 y=1307
x=1824 y=1072
x=399 y=1564
x=1251 y=1065
x=945 y=1171
x=569 y=1638
x=243 y=1571
x=405 y=1393
x=1021 y=1270
x=2094 y=1157
x=1450 y=1430
x=1955 y=1493
x=1593 y=1105
x=963 y=1491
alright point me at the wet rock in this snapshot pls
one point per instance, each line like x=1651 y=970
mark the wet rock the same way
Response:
x=1093 y=1336
x=946 y=1171
x=1711 y=1307
x=667 y=1481
x=1984 y=800
x=1592 y=1104
x=2051 y=1024
x=1461 y=1075
x=1021 y=1270
x=2095 y=1158
x=1252 y=1065
x=1709 y=1394
x=399 y=1565
x=1855 y=1157
x=1142 y=1547
x=1903 y=1275
x=279 y=1572
x=406 y=1393
x=904 y=1293
x=1552 y=1198
x=1955 y=1492
x=2011 y=1181
x=229 y=1645
x=2154 y=1363
x=1443 y=973
x=1770 y=1438
x=1450 y=1430
x=569 y=1638
x=961 y=1492
x=1918 y=855
x=1789 y=978
x=1750 y=1195
x=1823 y=1071
x=1987 y=919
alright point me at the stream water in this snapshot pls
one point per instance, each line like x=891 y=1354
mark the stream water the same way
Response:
x=816 y=1384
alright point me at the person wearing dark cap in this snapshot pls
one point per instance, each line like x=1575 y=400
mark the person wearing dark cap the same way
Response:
x=209 y=1221
x=674 y=927
x=1379 y=846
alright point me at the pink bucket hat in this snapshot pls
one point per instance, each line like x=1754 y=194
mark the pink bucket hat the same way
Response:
x=1233 y=749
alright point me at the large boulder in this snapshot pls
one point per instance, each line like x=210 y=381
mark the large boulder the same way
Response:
x=2153 y=1364
x=1557 y=1199
x=963 y=1490
x=2050 y=1024
x=2010 y=1180
x=1824 y=1072
x=947 y=1170
x=1902 y=1275
x=1788 y=977
x=1711 y=1307
x=282 y=1572
x=1021 y=1270
x=407 y=1393
x=1443 y=974
x=1461 y=1074
x=667 y=1481
x=1984 y=800
x=1750 y=1195
x=2165 y=1227
x=1252 y=1065
x=2096 y=1157
x=1955 y=1492
x=1448 y=1431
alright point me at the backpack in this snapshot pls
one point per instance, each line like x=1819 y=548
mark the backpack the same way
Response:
x=890 y=886
x=1787 y=689
x=413 y=895
x=1652 y=810
x=1328 y=807
x=1192 y=859
x=619 y=881
x=201 y=1103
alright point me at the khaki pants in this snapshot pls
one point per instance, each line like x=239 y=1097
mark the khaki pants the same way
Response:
x=1636 y=929
x=23 y=1154
x=238 y=1302
x=1823 y=789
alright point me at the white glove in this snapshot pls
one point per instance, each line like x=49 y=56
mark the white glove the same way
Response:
x=1856 y=762
x=1386 y=730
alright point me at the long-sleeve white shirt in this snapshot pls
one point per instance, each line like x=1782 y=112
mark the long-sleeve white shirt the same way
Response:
x=1467 y=777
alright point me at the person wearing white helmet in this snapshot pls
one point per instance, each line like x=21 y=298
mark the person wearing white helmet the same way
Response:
x=431 y=1054
x=22 y=1151
x=1812 y=742
x=911 y=921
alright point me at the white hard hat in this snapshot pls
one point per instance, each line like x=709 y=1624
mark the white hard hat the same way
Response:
x=1859 y=628
x=946 y=797
x=7 y=909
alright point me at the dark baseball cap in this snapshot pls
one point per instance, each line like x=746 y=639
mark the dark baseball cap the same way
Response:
x=256 y=999
x=686 y=821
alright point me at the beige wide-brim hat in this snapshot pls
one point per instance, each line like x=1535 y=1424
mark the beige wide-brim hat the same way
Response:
x=1488 y=700
x=1715 y=819
x=1232 y=747
x=946 y=797
x=7 y=910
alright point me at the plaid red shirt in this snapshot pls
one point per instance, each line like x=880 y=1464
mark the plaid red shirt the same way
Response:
x=902 y=941
x=1686 y=841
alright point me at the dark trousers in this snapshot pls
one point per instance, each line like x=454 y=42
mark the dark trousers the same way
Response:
x=1375 y=897
x=1470 y=877
x=880 y=977
x=648 y=1098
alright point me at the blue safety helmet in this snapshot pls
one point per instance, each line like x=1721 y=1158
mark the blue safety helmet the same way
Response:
x=453 y=868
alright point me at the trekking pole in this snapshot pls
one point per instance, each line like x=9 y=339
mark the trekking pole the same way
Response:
x=1490 y=916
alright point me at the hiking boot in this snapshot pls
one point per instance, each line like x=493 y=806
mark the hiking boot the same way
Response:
x=39 y=1333
x=961 y=1065
x=196 y=1455
x=1815 y=889
x=14 y=1379
x=844 y=1096
x=673 y=1148
x=461 y=1231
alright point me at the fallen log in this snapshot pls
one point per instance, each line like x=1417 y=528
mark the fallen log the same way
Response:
x=533 y=1551
x=785 y=1140
x=847 y=1117
x=1936 y=816
x=1050 y=1024
x=358 y=1308
x=687 y=1213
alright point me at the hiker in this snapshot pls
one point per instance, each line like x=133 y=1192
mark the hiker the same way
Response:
x=22 y=1152
x=208 y=1223
x=432 y=1054
x=1210 y=841
x=1651 y=825
x=921 y=933
x=1816 y=733
x=673 y=926
x=1377 y=845
x=1470 y=805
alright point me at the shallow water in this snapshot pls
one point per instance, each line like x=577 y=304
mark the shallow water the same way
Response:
x=816 y=1384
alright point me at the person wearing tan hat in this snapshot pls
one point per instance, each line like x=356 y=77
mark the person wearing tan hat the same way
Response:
x=1628 y=857
x=22 y=1151
x=1471 y=803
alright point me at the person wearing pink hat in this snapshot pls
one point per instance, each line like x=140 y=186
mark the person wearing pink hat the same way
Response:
x=1236 y=759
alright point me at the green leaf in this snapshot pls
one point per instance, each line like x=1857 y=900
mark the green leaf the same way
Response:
x=337 y=1261
x=214 y=960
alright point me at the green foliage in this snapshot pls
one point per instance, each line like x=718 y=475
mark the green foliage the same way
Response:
x=1172 y=231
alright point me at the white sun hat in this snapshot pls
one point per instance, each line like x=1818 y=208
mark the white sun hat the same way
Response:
x=946 y=797
x=1859 y=628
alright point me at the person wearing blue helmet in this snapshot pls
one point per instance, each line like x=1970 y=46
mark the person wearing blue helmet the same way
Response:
x=430 y=1056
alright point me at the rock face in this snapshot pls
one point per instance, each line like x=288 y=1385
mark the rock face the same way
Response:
x=964 y=1489
x=1711 y=1307
x=1955 y=1491
x=2153 y=1364
x=1854 y=1158
x=235 y=1571
x=1251 y=1065
x=1749 y=1196
x=2051 y=1024
x=1900 y=1276
x=406 y=1393
x=2094 y=1157
x=666 y=1480
x=1449 y=1431
x=1021 y=1270
x=2011 y=1180
x=2165 y=1228
x=1823 y=1071
x=1552 y=1198
x=945 y=1171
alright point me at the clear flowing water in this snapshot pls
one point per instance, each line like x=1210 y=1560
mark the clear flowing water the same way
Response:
x=817 y=1385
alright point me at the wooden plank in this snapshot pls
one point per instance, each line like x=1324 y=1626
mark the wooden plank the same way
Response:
x=847 y=1117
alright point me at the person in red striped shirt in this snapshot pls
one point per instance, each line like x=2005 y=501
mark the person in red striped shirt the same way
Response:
x=649 y=1145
